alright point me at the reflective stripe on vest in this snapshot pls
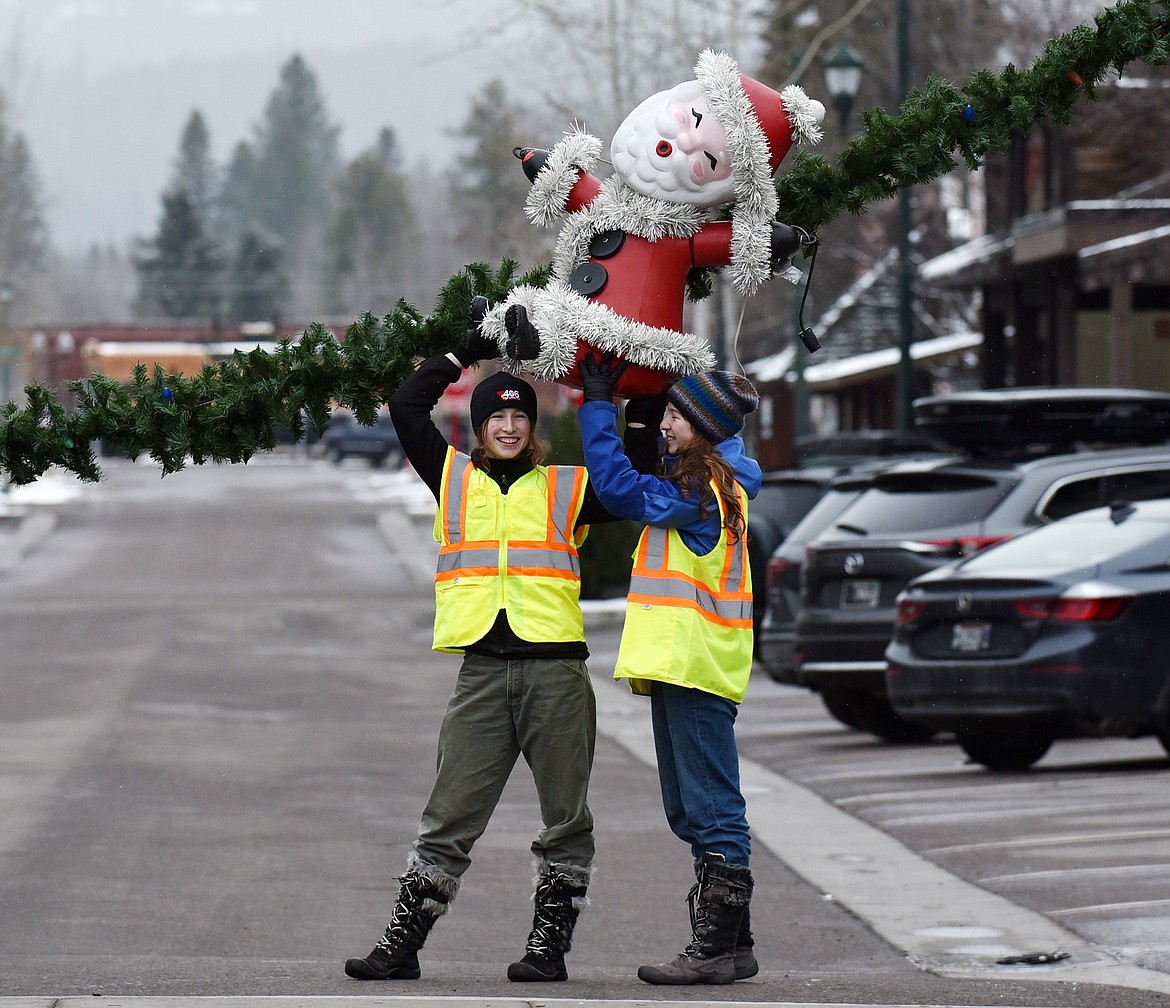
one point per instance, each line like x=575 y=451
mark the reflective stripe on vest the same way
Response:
x=654 y=582
x=555 y=557
x=515 y=551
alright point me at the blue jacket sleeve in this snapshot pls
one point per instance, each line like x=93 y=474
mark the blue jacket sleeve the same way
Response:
x=638 y=496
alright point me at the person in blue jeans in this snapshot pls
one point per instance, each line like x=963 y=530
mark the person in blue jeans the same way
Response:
x=687 y=641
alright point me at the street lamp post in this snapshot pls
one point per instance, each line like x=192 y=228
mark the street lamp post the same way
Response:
x=843 y=81
x=905 y=321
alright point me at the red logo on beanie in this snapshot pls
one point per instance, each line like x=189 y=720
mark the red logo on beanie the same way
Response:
x=508 y=393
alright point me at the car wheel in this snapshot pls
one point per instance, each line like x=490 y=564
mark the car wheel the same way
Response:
x=872 y=713
x=1005 y=751
x=842 y=705
x=337 y=456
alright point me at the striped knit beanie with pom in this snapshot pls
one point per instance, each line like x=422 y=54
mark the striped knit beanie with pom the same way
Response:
x=714 y=402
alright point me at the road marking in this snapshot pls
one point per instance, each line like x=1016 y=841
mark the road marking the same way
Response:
x=1100 y=907
x=1143 y=871
x=1056 y=840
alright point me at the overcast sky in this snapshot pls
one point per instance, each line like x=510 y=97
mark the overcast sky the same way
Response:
x=102 y=88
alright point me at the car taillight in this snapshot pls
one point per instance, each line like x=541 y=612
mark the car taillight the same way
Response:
x=963 y=546
x=908 y=611
x=777 y=568
x=1073 y=610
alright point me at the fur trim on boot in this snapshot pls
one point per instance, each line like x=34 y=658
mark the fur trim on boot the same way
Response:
x=559 y=897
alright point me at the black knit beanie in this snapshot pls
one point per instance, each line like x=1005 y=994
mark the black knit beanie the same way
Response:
x=502 y=391
x=714 y=402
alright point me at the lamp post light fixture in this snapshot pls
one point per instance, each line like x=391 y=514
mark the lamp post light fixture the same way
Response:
x=843 y=81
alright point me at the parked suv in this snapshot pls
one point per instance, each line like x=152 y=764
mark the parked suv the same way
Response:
x=780 y=585
x=914 y=518
x=787 y=495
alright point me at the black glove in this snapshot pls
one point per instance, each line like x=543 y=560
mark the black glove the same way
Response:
x=599 y=376
x=475 y=346
x=646 y=412
x=523 y=339
x=532 y=159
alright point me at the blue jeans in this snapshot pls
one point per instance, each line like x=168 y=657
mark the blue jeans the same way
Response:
x=698 y=771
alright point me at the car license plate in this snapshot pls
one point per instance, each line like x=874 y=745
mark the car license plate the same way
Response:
x=860 y=594
x=970 y=637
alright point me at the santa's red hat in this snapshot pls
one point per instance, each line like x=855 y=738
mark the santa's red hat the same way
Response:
x=761 y=126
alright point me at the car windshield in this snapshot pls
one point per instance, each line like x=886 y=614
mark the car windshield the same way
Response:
x=1072 y=545
x=786 y=502
x=822 y=515
x=910 y=502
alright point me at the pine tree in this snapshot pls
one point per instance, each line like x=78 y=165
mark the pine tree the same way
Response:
x=296 y=160
x=488 y=185
x=373 y=231
x=258 y=286
x=180 y=268
x=23 y=234
x=195 y=171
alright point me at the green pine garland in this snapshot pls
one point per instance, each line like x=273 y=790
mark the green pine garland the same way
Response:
x=233 y=409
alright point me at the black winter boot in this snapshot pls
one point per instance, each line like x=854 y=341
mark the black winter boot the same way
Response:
x=559 y=897
x=422 y=900
x=745 y=956
x=717 y=903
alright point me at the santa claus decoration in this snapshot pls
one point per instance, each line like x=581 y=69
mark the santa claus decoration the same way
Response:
x=691 y=186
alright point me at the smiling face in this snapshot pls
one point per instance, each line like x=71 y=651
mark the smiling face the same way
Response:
x=673 y=148
x=506 y=433
x=677 y=430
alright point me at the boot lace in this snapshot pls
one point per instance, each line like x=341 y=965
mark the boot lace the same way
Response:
x=553 y=919
x=409 y=921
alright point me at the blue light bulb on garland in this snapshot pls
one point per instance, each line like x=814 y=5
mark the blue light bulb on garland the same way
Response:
x=167 y=394
x=969 y=112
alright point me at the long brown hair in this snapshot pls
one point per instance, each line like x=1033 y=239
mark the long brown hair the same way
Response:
x=694 y=469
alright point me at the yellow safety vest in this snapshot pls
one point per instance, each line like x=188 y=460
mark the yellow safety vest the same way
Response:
x=689 y=617
x=515 y=551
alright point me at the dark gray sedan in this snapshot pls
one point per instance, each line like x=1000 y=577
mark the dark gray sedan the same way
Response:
x=1061 y=632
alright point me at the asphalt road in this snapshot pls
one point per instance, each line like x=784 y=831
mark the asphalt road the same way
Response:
x=218 y=718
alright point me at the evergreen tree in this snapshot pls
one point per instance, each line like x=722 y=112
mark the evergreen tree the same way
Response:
x=374 y=231
x=488 y=185
x=258 y=287
x=23 y=234
x=234 y=207
x=179 y=269
x=291 y=180
x=194 y=169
